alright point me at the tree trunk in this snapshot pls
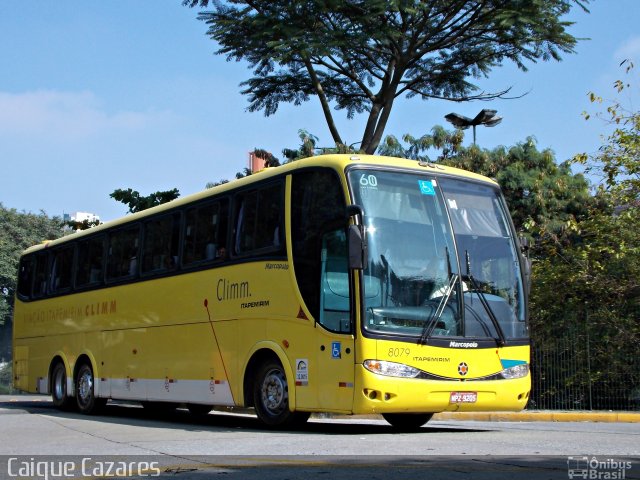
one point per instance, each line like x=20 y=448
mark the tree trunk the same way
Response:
x=326 y=109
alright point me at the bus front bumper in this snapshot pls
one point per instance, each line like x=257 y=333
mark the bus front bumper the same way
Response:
x=381 y=394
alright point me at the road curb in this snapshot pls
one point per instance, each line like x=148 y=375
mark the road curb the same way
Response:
x=541 y=416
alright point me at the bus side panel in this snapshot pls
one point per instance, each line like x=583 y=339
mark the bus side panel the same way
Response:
x=184 y=363
x=21 y=367
x=122 y=355
x=32 y=361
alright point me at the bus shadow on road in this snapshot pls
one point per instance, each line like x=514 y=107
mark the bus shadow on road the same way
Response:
x=133 y=414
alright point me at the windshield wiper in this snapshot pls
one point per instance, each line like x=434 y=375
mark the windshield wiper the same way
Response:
x=433 y=321
x=483 y=300
x=430 y=325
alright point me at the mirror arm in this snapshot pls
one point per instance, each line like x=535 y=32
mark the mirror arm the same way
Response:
x=356 y=238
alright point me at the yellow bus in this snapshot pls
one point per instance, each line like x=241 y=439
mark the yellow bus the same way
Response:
x=342 y=284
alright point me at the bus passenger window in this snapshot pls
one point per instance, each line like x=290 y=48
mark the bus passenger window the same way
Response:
x=205 y=235
x=90 y=262
x=259 y=220
x=40 y=281
x=160 y=249
x=25 y=276
x=60 y=275
x=123 y=253
x=245 y=233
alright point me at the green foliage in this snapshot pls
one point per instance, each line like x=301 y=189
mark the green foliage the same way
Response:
x=18 y=231
x=138 y=203
x=5 y=378
x=222 y=181
x=545 y=199
x=449 y=143
x=269 y=159
x=586 y=254
x=361 y=56
x=618 y=159
x=83 y=225
x=591 y=284
x=306 y=149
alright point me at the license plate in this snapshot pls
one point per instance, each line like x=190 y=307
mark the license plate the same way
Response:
x=463 y=397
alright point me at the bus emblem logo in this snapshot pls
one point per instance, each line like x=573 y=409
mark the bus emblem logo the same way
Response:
x=463 y=368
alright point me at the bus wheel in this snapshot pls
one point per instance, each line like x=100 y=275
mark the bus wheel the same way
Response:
x=59 y=388
x=271 y=397
x=85 y=391
x=407 y=422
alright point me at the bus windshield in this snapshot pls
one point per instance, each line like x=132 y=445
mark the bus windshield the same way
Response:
x=442 y=258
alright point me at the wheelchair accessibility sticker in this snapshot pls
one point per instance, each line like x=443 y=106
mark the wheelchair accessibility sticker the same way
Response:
x=426 y=187
x=336 y=349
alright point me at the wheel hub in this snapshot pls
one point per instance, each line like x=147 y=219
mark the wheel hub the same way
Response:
x=85 y=385
x=274 y=392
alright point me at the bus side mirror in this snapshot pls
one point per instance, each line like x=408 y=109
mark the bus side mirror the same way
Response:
x=524 y=245
x=356 y=239
x=524 y=249
x=357 y=247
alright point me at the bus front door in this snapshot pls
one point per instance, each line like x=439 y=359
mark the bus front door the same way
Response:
x=334 y=331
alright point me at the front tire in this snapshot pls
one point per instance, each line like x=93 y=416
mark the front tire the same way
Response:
x=85 y=391
x=407 y=422
x=59 y=388
x=271 y=397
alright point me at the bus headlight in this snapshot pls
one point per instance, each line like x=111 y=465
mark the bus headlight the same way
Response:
x=391 y=369
x=517 y=371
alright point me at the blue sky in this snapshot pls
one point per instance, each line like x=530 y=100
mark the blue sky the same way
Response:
x=96 y=96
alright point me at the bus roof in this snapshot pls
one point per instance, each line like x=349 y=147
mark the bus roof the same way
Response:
x=338 y=162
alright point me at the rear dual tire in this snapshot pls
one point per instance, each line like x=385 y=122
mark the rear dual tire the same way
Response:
x=59 y=388
x=85 y=400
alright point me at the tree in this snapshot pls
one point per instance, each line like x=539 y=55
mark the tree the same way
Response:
x=18 y=231
x=362 y=55
x=269 y=160
x=5 y=378
x=618 y=159
x=83 y=225
x=590 y=285
x=544 y=198
x=306 y=149
x=137 y=202
x=449 y=143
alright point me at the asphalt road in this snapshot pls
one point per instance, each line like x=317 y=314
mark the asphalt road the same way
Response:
x=32 y=432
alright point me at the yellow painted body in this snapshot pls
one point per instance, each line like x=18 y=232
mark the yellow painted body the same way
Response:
x=189 y=338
